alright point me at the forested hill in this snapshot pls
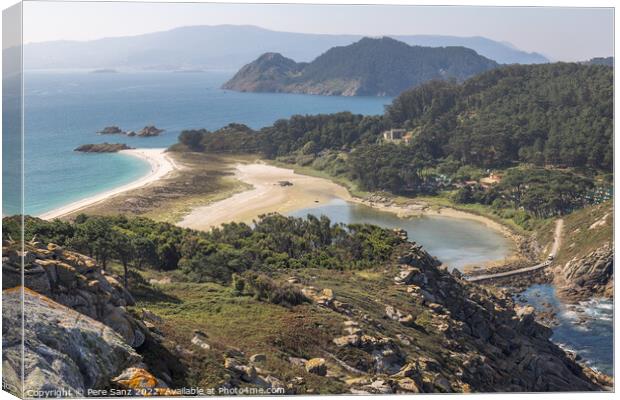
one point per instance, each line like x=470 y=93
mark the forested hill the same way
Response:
x=369 y=67
x=560 y=114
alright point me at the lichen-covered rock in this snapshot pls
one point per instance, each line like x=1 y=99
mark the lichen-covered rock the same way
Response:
x=75 y=281
x=316 y=366
x=63 y=349
x=140 y=382
x=587 y=276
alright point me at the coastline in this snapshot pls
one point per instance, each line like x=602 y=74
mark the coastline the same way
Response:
x=266 y=195
x=422 y=209
x=306 y=191
x=161 y=164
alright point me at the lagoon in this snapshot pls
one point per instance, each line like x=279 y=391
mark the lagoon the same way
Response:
x=456 y=242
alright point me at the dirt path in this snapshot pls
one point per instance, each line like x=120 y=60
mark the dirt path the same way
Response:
x=555 y=247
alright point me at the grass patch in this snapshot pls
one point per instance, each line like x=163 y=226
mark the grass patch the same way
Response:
x=369 y=275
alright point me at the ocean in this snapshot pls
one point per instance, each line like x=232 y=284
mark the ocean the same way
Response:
x=585 y=328
x=66 y=109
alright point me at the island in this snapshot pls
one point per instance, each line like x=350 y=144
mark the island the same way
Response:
x=217 y=275
x=369 y=67
x=147 y=131
x=102 y=148
x=111 y=130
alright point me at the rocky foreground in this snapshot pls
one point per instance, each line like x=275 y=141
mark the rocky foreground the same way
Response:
x=421 y=330
x=78 y=335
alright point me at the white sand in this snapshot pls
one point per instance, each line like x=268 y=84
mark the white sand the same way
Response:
x=266 y=196
x=161 y=165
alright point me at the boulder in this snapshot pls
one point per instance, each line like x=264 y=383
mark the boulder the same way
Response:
x=63 y=349
x=316 y=366
x=349 y=340
x=200 y=339
x=257 y=358
x=75 y=281
x=138 y=381
x=408 y=385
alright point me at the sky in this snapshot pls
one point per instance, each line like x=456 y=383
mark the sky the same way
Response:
x=561 y=34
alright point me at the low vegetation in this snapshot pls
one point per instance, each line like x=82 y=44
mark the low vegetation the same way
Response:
x=274 y=243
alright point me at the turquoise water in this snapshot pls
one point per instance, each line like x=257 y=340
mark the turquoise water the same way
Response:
x=65 y=109
x=456 y=242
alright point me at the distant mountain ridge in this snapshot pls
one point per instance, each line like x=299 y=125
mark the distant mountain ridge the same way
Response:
x=228 y=47
x=607 y=61
x=369 y=67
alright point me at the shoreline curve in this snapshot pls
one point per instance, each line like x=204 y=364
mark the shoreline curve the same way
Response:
x=161 y=164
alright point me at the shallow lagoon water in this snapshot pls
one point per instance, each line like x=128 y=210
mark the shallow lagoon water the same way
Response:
x=456 y=242
x=459 y=242
x=65 y=109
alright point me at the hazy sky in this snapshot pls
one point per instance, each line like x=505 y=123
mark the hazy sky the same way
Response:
x=567 y=34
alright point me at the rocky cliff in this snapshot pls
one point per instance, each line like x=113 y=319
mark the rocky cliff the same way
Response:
x=588 y=276
x=65 y=353
x=78 y=335
x=408 y=326
x=584 y=267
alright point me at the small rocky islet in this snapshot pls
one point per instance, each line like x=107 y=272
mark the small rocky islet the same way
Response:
x=102 y=148
x=147 y=131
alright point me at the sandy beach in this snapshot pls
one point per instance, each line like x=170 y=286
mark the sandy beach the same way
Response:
x=267 y=195
x=161 y=165
x=421 y=208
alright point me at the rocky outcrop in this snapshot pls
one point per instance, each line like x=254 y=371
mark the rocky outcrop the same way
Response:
x=111 y=130
x=75 y=281
x=65 y=352
x=79 y=334
x=244 y=372
x=102 y=148
x=148 y=131
x=507 y=349
x=584 y=277
x=491 y=343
